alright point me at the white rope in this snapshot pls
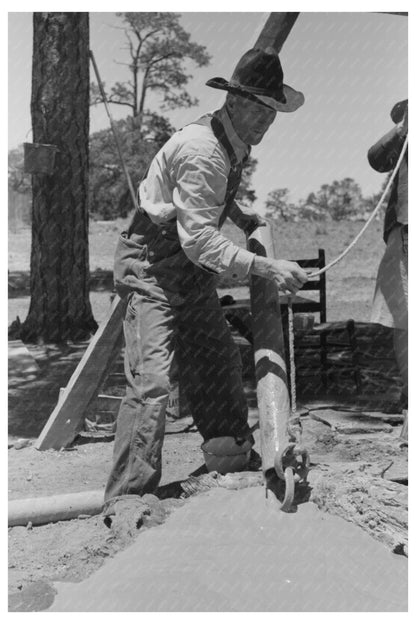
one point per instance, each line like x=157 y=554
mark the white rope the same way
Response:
x=370 y=218
x=115 y=133
x=292 y=358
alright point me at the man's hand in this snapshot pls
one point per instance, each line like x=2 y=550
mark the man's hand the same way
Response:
x=289 y=276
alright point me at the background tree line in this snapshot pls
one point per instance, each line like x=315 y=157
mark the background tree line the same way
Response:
x=109 y=197
x=341 y=200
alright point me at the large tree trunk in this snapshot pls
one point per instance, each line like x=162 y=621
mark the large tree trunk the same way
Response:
x=60 y=309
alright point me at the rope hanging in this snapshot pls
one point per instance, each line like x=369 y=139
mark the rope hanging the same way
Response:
x=114 y=129
x=292 y=358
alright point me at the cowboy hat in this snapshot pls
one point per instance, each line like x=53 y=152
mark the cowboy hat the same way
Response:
x=259 y=76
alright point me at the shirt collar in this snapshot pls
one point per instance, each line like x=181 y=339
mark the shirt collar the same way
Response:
x=241 y=149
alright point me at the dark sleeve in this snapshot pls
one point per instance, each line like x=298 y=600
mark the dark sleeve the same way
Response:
x=384 y=154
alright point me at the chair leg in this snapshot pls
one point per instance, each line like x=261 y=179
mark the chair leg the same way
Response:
x=324 y=361
x=354 y=355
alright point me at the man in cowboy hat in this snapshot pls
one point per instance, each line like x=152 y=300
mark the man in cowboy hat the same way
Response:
x=167 y=264
x=390 y=303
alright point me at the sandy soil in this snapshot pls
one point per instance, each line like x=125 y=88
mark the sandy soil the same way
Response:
x=234 y=551
x=72 y=550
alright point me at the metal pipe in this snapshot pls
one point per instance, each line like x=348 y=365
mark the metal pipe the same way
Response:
x=269 y=350
x=269 y=353
x=55 y=508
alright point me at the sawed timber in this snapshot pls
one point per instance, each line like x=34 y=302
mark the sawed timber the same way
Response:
x=67 y=418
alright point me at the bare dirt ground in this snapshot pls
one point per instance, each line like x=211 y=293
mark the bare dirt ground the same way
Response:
x=71 y=550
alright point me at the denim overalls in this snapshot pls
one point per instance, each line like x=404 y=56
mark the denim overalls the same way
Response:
x=174 y=330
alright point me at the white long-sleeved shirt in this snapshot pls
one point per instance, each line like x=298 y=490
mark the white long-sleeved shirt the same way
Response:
x=187 y=179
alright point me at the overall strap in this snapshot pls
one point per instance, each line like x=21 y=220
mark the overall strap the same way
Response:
x=234 y=177
x=219 y=132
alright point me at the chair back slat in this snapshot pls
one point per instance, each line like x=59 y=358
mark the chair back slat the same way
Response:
x=312 y=285
x=308 y=263
x=318 y=284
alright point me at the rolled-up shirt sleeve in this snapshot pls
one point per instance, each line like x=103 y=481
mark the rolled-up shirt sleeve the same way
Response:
x=198 y=196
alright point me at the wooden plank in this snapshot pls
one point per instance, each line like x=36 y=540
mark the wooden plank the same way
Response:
x=106 y=402
x=67 y=418
x=348 y=422
x=392 y=419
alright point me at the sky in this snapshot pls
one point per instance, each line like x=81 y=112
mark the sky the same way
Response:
x=351 y=67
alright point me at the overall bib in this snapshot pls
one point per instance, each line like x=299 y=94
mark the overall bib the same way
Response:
x=174 y=330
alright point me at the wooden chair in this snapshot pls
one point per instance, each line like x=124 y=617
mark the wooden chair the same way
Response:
x=304 y=305
x=330 y=334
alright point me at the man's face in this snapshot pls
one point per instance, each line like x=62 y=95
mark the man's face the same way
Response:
x=250 y=119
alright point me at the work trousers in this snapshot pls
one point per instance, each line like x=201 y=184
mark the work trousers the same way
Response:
x=166 y=342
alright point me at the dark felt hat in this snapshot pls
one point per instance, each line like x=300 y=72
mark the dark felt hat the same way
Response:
x=259 y=75
x=398 y=111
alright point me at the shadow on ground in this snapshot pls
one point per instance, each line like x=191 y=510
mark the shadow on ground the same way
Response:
x=33 y=396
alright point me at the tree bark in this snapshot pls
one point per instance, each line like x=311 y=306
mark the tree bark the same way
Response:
x=60 y=309
x=360 y=494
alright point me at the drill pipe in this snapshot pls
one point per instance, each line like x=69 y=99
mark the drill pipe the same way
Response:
x=269 y=353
